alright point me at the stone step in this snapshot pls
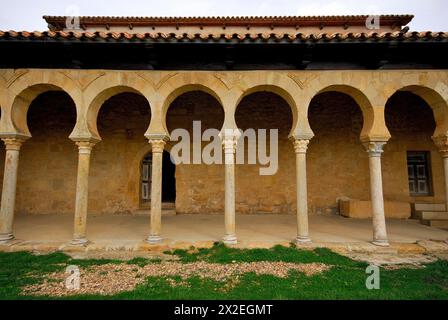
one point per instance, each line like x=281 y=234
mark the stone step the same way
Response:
x=166 y=212
x=428 y=207
x=147 y=212
x=168 y=205
x=436 y=223
x=431 y=215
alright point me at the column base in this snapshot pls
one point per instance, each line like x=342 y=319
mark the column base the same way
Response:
x=230 y=239
x=153 y=239
x=381 y=243
x=79 y=241
x=302 y=240
x=6 y=237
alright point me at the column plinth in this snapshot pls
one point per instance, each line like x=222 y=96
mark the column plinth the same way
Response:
x=155 y=228
x=9 y=188
x=82 y=192
x=300 y=148
x=375 y=149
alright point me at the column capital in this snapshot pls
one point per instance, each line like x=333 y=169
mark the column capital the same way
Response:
x=374 y=148
x=229 y=138
x=229 y=144
x=157 y=145
x=300 y=145
x=13 y=143
x=157 y=141
x=442 y=144
x=85 y=147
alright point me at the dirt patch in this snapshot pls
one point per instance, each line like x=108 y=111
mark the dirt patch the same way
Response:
x=114 y=278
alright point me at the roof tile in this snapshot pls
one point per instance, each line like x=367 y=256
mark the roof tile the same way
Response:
x=123 y=36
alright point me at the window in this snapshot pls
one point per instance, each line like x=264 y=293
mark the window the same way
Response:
x=419 y=173
x=146 y=179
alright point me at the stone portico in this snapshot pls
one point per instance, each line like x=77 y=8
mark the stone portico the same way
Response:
x=82 y=135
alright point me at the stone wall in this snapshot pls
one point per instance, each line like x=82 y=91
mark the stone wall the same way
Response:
x=115 y=168
x=46 y=181
x=337 y=162
x=270 y=193
x=199 y=187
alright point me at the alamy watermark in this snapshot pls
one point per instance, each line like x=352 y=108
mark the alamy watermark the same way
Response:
x=373 y=22
x=73 y=280
x=190 y=150
x=373 y=280
x=72 y=20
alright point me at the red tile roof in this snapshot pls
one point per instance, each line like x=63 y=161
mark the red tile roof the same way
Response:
x=219 y=37
x=57 y=23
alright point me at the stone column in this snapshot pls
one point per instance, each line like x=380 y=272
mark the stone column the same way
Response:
x=156 y=190
x=375 y=149
x=442 y=145
x=9 y=188
x=82 y=192
x=229 y=141
x=445 y=171
x=300 y=147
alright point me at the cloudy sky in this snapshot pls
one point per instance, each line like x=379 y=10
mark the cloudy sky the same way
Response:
x=27 y=14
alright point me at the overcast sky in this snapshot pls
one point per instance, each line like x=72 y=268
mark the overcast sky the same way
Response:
x=27 y=14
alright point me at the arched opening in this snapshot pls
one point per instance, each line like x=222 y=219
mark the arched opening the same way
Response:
x=259 y=191
x=168 y=180
x=412 y=167
x=98 y=102
x=115 y=179
x=199 y=186
x=337 y=165
x=46 y=182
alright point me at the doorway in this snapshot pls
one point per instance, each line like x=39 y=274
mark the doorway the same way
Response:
x=168 y=179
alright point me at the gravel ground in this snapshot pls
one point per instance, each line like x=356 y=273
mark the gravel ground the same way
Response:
x=122 y=255
x=114 y=278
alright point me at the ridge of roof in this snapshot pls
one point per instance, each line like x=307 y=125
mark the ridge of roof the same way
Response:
x=232 y=17
x=57 y=21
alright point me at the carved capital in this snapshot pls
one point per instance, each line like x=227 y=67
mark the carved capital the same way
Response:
x=229 y=144
x=13 y=143
x=300 y=145
x=374 y=148
x=157 y=145
x=442 y=144
x=85 y=147
x=229 y=138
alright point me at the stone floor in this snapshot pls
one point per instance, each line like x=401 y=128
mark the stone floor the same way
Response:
x=199 y=229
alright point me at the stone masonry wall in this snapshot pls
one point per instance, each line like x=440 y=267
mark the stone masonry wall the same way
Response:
x=337 y=161
x=115 y=168
x=46 y=181
x=199 y=187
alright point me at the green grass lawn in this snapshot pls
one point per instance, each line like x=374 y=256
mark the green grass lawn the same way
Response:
x=345 y=280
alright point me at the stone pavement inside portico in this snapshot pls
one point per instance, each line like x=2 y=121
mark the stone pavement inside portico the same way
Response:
x=128 y=232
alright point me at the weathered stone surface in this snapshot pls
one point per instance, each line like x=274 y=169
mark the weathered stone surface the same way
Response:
x=433 y=246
